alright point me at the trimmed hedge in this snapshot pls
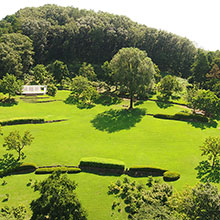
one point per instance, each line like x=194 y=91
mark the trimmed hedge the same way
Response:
x=96 y=162
x=22 y=121
x=183 y=117
x=48 y=170
x=169 y=176
x=141 y=171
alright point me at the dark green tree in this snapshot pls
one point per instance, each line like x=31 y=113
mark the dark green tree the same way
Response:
x=133 y=71
x=14 y=141
x=87 y=70
x=16 y=52
x=59 y=70
x=200 y=67
x=57 y=200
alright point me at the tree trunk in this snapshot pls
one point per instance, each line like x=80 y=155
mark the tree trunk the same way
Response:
x=131 y=102
x=19 y=155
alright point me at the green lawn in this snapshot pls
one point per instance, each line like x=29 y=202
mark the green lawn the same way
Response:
x=102 y=131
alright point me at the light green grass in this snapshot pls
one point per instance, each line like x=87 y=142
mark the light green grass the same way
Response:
x=172 y=145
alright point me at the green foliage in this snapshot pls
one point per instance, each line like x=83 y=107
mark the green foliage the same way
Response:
x=51 y=90
x=9 y=84
x=204 y=100
x=41 y=76
x=62 y=169
x=182 y=116
x=16 y=51
x=170 y=176
x=83 y=93
x=14 y=141
x=87 y=71
x=13 y=213
x=168 y=85
x=22 y=121
x=211 y=148
x=145 y=171
x=200 y=67
x=133 y=71
x=59 y=70
x=200 y=202
x=96 y=162
x=57 y=199
x=132 y=198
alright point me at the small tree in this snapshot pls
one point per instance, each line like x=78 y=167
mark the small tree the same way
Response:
x=168 y=85
x=133 y=71
x=87 y=70
x=9 y=84
x=57 y=199
x=82 y=91
x=51 y=90
x=14 y=141
x=211 y=148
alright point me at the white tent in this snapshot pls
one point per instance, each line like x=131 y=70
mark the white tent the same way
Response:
x=34 y=90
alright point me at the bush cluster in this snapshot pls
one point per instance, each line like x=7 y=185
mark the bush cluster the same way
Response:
x=183 y=117
x=22 y=121
x=95 y=162
x=170 y=176
x=48 y=170
x=145 y=171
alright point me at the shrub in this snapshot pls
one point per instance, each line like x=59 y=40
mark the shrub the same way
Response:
x=48 y=170
x=22 y=121
x=95 y=162
x=184 y=117
x=51 y=90
x=25 y=168
x=145 y=171
x=169 y=176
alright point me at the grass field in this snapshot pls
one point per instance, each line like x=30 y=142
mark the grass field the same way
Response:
x=103 y=131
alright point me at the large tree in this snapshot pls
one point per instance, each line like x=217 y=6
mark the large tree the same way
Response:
x=57 y=200
x=133 y=71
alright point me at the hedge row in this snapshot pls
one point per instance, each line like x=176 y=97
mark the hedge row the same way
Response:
x=22 y=121
x=48 y=170
x=183 y=117
x=141 y=171
x=95 y=162
x=169 y=176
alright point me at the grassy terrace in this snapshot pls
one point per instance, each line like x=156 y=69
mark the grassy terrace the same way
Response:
x=102 y=131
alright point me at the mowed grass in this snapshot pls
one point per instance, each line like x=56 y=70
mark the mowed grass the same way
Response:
x=102 y=131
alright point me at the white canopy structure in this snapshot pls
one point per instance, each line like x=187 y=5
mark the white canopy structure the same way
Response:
x=34 y=90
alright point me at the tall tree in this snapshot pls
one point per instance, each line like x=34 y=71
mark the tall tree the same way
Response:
x=133 y=71
x=200 y=67
x=57 y=200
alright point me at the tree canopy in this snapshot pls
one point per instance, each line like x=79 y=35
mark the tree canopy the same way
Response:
x=133 y=71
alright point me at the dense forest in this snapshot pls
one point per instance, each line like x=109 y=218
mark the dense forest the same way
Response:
x=51 y=32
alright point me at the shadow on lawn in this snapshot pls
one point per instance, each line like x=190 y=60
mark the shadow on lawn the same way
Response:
x=71 y=101
x=6 y=102
x=116 y=120
x=8 y=163
x=204 y=125
x=108 y=100
x=206 y=174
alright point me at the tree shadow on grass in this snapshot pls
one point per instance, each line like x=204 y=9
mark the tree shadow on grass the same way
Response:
x=6 y=102
x=115 y=120
x=7 y=164
x=206 y=173
x=204 y=125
